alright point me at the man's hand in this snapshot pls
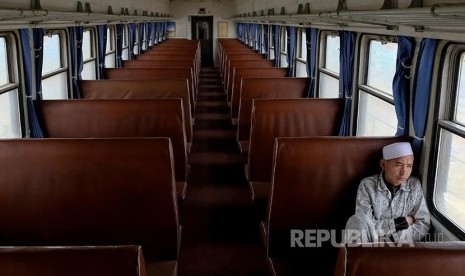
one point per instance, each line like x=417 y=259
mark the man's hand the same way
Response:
x=410 y=220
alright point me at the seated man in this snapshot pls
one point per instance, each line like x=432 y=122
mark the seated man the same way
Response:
x=390 y=206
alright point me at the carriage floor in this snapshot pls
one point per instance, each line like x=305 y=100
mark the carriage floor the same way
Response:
x=219 y=230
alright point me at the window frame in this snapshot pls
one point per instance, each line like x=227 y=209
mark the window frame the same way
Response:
x=444 y=111
x=271 y=42
x=125 y=43
x=362 y=85
x=12 y=47
x=64 y=64
x=93 y=50
x=110 y=50
x=299 y=59
x=283 y=36
x=321 y=69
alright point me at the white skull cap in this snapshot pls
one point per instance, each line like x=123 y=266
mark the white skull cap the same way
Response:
x=397 y=150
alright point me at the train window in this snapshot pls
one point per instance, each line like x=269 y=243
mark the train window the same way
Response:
x=301 y=60
x=376 y=114
x=52 y=52
x=303 y=44
x=110 y=53
x=54 y=70
x=3 y=64
x=137 y=41
x=283 y=49
x=460 y=104
x=10 y=122
x=88 y=55
x=332 y=53
x=125 y=54
x=449 y=189
x=144 y=38
x=271 y=39
x=258 y=39
x=329 y=71
x=382 y=62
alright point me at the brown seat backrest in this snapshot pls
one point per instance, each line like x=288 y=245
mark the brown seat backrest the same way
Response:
x=235 y=51
x=121 y=260
x=144 y=63
x=426 y=259
x=232 y=49
x=252 y=63
x=242 y=56
x=265 y=88
x=118 y=118
x=242 y=72
x=155 y=56
x=60 y=192
x=273 y=118
x=153 y=73
x=141 y=89
x=182 y=51
x=314 y=186
x=140 y=63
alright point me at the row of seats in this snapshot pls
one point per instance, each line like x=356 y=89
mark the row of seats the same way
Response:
x=303 y=176
x=112 y=167
x=124 y=260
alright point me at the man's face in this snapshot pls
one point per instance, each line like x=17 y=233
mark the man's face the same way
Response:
x=396 y=171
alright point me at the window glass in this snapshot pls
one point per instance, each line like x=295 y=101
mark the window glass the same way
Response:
x=55 y=87
x=52 y=53
x=329 y=87
x=110 y=60
x=300 y=69
x=109 y=44
x=449 y=192
x=460 y=105
x=332 y=53
x=382 y=62
x=3 y=62
x=375 y=116
x=86 y=45
x=283 y=62
x=283 y=40
x=303 y=45
x=10 y=123
x=88 y=71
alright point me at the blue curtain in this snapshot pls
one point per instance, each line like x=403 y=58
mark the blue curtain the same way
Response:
x=346 y=69
x=312 y=44
x=266 y=41
x=34 y=126
x=38 y=38
x=102 y=43
x=276 y=29
x=243 y=32
x=291 y=41
x=401 y=82
x=141 y=36
x=119 y=44
x=75 y=43
x=421 y=92
x=132 y=39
